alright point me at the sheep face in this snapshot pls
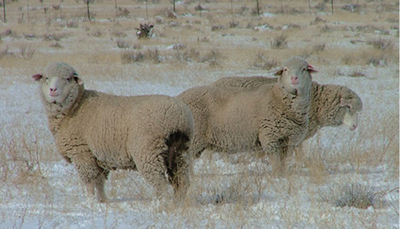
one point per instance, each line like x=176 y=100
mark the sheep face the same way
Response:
x=343 y=109
x=295 y=75
x=350 y=120
x=351 y=105
x=57 y=81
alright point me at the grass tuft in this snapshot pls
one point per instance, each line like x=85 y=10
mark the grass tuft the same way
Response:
x=54 y=36
x=350 y=195
x=130 y=57
x=263 y=62
x=279 y=42
x=381 y=44
x=122 y=44
x=26 y=52
x=355 y=195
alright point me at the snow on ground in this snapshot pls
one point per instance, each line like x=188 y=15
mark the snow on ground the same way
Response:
x=221 y=196
x=38 y=189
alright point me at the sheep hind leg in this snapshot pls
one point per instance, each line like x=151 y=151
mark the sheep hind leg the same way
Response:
x=92 y=175
x=178 y=176
x=177 y=164
x=155 y=172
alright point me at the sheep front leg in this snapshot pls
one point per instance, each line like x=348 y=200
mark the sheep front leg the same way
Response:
x=276 y=151
x=91 y=174
x=99 y=185
x=197 y=146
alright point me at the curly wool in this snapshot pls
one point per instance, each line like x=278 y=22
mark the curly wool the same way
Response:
x=271 y=118
x=99 y=132
x=328 y=101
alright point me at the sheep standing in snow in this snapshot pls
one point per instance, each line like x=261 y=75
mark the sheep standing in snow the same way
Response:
x=100 y=132
x=270 y=118
x=331 y=105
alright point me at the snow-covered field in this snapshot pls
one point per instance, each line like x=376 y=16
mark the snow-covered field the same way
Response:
x=38 y=189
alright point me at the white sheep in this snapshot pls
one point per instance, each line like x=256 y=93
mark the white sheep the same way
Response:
x=270 y=118
x=99 y=132
x=331 y=105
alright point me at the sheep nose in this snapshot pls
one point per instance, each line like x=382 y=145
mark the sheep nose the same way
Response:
x=53 y=91
x=294 y=80
x=353 y=127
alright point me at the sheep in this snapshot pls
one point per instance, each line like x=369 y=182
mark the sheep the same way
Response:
x=331 y=105
x=270 y=118
x=99 y=132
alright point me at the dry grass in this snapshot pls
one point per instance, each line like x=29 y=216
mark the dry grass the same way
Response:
x=351 y=195
x=186 y=51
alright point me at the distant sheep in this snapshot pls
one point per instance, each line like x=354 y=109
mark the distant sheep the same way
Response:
x=331 y=105
x=99 y=132
x=270 y=118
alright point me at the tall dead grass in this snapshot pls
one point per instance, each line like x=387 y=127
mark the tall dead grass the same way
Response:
x=195 y=50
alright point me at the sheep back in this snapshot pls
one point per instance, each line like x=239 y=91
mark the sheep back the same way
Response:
x=243 y=83
x=122 y=131
x=329 y=103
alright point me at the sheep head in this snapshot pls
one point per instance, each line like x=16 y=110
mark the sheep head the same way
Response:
x=352 y=105
x=57 y=82
x=295 y=75
x=337 y=105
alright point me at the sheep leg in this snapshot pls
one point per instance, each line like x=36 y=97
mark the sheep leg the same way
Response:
x=176 y=163
x=179 y=176
x=277 y=152
x=91 y=174
x=99 y=184
x=197 y=147
x=154 y=170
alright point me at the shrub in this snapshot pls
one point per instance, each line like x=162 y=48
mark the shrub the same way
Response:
x=199 y=8
x=26 y=52
x=354 y=195
x=55 y=45
x=350 y=195
x=72 y=24
x=381 y=44
x=130 y=57
x=279 y=42
x=123 y=44
x=54 y=36
x=318 y=48
x=233 y=24
x=263 y=62
x=144 y=31
x=217 y=27
x=123 y=12
x=5 y=52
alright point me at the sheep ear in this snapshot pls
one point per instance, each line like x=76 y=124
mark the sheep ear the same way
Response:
x=279 y=72
x=37 y=77
x=78 y=80
x=344 y=103
x=311 y=69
